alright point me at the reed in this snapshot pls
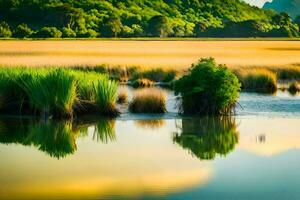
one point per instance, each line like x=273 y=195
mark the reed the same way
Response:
x=106 y=96
x=257 y=80
x=143 y=82
x=294 y=87
x=53 y=93
x=148 y=101
x=122 y=97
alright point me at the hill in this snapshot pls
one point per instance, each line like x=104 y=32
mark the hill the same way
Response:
x=142 y=18
x=292 y=7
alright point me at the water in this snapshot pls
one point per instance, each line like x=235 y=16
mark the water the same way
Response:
x=253 y=155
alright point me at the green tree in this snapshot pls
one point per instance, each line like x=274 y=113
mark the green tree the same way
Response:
x=23 y=31
x=112 y=27
x=5 y=31
x=48 y=32
x=159 y=26
x=68 y=33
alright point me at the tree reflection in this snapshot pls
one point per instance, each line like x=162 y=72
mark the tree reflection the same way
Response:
x=208 y=137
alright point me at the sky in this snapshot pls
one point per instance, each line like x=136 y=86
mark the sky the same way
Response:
x=258 y=3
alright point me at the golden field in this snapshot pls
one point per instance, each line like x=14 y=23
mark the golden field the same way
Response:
x=167 y=54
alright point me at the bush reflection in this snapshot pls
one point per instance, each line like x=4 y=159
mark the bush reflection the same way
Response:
x=207 y=137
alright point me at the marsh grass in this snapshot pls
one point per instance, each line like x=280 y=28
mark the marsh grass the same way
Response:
x=257 y=80
x=106 y=96
x=142 y=82
x=151 y=100
x=294 y=87
x=53 y=93
x=122 y=97
x=155 y=74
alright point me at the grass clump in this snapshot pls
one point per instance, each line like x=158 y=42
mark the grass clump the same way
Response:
x=148 y=101
x=156 y=75
x=53 y=93
x=294 y=87
x=208 y=89
x=122 y=97
x=258 y=80
x=143 y=82
x=106 y=96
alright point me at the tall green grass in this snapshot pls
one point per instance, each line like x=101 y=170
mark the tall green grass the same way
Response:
x=53 y=93
x=106 y=96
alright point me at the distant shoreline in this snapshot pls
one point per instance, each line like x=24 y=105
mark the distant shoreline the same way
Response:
x=150 y=39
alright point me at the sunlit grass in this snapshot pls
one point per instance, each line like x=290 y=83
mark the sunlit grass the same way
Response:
x=148 y=101
x=257 y=79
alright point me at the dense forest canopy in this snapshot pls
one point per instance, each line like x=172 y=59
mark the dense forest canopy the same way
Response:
x=143 y=18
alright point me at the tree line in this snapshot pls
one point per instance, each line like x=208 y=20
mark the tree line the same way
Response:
x=144 y=18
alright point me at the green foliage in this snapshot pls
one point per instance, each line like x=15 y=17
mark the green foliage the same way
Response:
x=68 y=33
x=110 y=18
x=106 y=96
x=23 y=31
x=208 y=137
x=48 y=32
x=159 y=26
x=5 y=31
x=51 y=93
x=208 y=88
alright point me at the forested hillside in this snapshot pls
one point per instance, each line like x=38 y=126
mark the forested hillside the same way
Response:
x=142 y=18
x=290 y=6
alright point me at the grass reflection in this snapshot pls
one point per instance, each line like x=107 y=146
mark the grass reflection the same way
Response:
x=151 y=123
x=56 y=138
x=208 y=137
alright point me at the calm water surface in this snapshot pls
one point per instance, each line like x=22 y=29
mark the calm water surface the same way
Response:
x=253 y=155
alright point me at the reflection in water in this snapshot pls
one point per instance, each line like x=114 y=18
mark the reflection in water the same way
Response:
x=57 y=139
x=151 y=123
x=208 y=137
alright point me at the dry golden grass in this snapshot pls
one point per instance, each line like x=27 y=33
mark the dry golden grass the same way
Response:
x=149 y=100
x=166 y=54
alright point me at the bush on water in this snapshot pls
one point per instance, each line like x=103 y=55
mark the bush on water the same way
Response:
x=148 y=101
x=208 y=89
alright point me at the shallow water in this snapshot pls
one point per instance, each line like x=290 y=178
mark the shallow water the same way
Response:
x=253 y=155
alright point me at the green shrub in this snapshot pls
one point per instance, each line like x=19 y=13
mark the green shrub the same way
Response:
x=23 y=31
x=68 y=33
x=148 y=101
x=49 y=32
x=106 y=96
x=258 y=80
x=208 y=88
x=5 y=31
